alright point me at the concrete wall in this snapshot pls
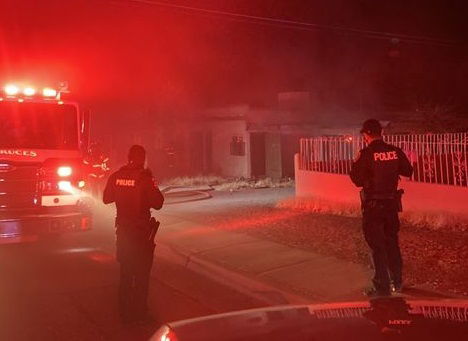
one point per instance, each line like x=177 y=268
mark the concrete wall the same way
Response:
x=418 y=196
x=432 y=197
x=223 y=163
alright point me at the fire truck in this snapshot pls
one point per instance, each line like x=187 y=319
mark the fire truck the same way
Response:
x=43 y=139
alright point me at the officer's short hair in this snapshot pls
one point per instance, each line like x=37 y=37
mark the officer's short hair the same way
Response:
x=137 y=154
x=372 y=127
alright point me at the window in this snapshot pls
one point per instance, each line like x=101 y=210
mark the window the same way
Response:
x=38 y=125
x=237 y=146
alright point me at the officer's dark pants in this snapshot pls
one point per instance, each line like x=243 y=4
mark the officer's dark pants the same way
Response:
x=135 y=256
x=381 y=225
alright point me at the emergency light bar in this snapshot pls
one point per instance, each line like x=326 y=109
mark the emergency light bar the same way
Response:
x=14 y=90
x=29 y=91
x=11 y=90
x=48 y=92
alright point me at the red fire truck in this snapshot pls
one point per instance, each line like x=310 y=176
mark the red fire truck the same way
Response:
x=43 y=139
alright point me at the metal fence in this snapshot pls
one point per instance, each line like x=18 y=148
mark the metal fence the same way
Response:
x=436 y=158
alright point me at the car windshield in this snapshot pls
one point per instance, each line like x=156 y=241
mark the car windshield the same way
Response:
x=38 y=125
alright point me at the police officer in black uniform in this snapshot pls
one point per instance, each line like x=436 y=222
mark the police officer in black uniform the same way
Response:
x=377 y=170
x=134 y=192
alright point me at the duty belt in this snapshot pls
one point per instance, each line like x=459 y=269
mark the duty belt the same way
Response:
x=381 y=196
x=366 y=198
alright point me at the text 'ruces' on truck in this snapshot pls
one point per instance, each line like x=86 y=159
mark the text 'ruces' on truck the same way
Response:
x=43 y=139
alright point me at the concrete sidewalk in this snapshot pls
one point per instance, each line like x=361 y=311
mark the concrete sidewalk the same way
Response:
x=272 y=272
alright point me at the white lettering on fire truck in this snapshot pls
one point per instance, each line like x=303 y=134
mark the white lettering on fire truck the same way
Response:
x=18 y=152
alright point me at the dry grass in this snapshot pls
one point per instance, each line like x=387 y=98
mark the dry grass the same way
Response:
x=233 y=185
x=201 y=180
x=226 y=184
x=427 y=219
x=239 y=184
x=317 y=205
x=436 y=220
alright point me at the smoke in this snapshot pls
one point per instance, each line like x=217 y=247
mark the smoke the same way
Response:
x=117 y=52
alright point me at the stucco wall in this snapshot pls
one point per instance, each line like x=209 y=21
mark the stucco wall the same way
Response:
x=418 y=196
x=223 y=163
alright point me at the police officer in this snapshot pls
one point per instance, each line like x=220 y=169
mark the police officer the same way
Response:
x=377 y=170
x=134 y=192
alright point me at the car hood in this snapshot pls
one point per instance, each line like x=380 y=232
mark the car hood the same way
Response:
x=368 y=320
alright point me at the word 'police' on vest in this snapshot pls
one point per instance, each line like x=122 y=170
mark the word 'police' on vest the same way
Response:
x=125 y=182
x=386 y=156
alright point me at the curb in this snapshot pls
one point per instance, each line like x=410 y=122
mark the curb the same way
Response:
x=252 y=288
x=187 y=196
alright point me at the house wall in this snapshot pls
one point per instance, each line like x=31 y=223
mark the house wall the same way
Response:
x=222 y=162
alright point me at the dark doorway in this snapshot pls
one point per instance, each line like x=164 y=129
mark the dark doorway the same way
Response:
x=289 y=147
x=257 y=154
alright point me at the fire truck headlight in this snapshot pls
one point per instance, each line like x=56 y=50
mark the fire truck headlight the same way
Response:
x=81 y=184
x=49 y=92
x=29 y=91
x=11 y=90
x=65 y=186
x=64 y=171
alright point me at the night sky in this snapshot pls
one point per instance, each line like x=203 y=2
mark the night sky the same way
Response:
x=131 y=52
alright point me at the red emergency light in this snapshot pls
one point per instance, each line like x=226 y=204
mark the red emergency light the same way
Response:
x=64 y=171
x=65 y=186
x=61 y=178
x=11 y=90
x=28 y=91
x=49 y=92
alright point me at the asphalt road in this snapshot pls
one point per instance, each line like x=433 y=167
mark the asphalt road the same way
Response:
x=66 y=288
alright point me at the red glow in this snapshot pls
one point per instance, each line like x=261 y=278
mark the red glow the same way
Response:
x=85 y=223
x=258 y=221
x=101 y=257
